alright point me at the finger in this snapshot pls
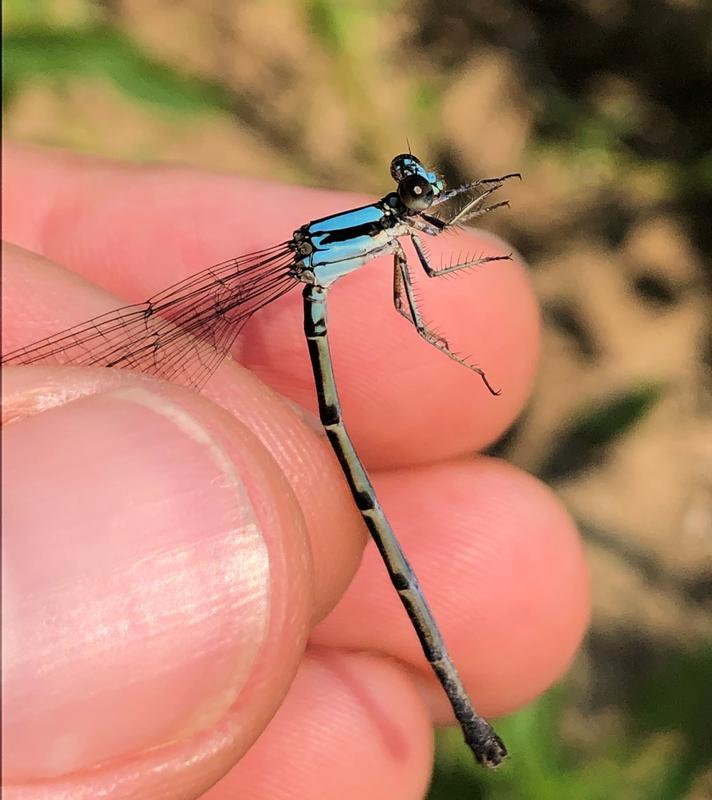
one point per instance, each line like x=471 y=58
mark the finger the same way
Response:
x=136 y=231
x=502 y=567
x=342 y=712
x=157 y=575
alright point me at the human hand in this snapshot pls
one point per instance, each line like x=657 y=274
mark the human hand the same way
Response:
x=167 y=554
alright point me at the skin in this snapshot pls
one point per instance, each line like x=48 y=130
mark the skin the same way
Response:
x=184 y=572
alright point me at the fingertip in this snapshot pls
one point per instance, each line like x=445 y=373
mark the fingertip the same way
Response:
x=344 y=711
x=405 y=401
x=502 y=566
x=533 y=594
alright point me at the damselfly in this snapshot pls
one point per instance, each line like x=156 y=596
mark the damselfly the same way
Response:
x=184 y=332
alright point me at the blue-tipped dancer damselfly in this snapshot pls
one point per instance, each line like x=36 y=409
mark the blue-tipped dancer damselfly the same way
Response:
x=185 y=331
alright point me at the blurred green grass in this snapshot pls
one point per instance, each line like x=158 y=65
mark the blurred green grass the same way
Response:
x=661 y=747
x=40 y=53
x=661 y=743
x=39 y=47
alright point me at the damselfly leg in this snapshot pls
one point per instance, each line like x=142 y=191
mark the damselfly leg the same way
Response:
x=402 y=284
x=433 y=226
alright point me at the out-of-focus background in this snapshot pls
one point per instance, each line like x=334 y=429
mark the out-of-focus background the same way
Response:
x=606 y=107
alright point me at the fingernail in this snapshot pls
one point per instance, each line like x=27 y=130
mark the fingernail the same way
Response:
x=136 y=581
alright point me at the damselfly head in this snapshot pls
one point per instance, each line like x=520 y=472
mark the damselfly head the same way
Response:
x=417 y=186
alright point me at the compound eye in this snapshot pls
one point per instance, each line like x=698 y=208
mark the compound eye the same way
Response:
x=416 y=192
x=403 y=165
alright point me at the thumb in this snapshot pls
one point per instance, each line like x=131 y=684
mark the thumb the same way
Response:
x=157 y=591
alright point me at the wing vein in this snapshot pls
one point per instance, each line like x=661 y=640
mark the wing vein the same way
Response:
x=181 y=333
